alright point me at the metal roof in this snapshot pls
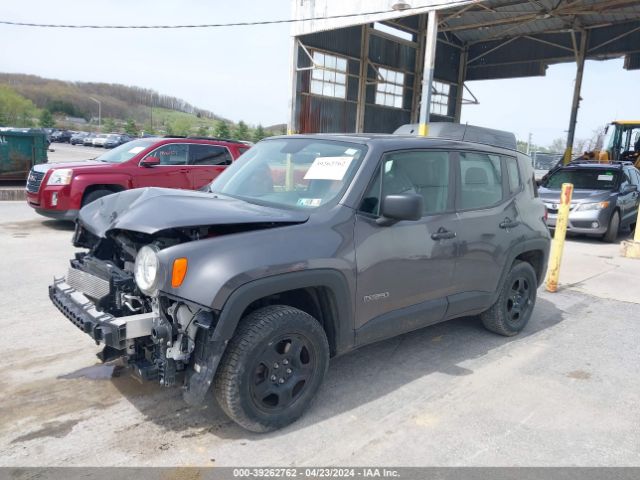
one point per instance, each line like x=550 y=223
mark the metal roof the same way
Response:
x=504 y=38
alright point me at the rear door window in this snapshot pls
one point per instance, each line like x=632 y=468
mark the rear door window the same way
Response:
x=480 y=181
x=209 y=155
x=514 y=174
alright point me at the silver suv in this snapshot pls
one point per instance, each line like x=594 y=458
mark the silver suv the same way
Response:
x=605 y=197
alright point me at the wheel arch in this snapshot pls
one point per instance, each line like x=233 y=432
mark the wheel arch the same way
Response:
x=323 y=294
x=329 y=288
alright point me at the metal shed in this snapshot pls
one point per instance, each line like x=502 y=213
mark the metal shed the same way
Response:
x=362 y=66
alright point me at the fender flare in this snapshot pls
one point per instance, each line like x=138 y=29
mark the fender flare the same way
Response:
x=541 y=244
x=200 y=379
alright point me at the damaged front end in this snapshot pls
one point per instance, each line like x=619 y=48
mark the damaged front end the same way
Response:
x=150 y=331
x=122 y=294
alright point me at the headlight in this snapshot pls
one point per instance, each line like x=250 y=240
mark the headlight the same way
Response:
x=147 y=269
x=585 y=207
x=60 y=177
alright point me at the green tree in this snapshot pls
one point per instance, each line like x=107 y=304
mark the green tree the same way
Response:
x=148 y=129
x=221 y=129
x=241 y=131
x=258 y=133
x=15 y=110
x=130 y=128
x=180 y=126
x=46 y=119
x=203 y=131
x=109 y=125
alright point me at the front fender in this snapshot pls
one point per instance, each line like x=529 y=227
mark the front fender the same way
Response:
x=200 y=378
x=83 y=181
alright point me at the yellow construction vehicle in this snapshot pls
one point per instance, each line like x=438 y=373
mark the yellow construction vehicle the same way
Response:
x=621 y=142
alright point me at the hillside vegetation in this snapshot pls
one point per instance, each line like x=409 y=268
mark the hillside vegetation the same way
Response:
x=29 y=100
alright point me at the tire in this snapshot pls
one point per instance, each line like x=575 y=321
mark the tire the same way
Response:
x=612 y=230
x=272 y=368
x=96 y=194
x=512 y=310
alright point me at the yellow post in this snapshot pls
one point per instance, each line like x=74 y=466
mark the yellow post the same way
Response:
x=631 y=248
x=423 y=130
x=557 y=246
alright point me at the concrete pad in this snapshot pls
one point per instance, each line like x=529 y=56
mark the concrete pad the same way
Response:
x=565 y=392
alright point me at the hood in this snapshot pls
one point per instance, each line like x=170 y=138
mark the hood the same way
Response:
x=150 y=210
x=44 y=167
x=578 y=196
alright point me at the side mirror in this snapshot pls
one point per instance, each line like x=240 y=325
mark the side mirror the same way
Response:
x=150 y=162
x=628 y=188
x=407 y=206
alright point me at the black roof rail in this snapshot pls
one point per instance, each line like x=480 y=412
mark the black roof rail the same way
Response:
x=464 y=133
x=174 y=136
x=198 y=137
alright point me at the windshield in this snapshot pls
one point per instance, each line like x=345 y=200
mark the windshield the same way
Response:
x=584 y=179
x=126 y=151
x=292 y=172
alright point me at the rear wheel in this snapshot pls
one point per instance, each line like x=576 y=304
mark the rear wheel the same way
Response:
x=272 y=368
x=513 y=308
x=93 y=196
x=613 y=228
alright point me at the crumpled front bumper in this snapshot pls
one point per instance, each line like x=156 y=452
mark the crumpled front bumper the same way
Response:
x=102 y=327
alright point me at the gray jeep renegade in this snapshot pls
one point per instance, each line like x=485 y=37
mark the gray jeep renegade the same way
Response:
x=306 y=248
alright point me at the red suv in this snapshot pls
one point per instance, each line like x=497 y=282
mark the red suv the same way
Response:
x=59 y=190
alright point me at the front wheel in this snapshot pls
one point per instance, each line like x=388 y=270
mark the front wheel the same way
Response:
x=612 y=230
x=93 y=196
x=272 y=368
x=512 y=310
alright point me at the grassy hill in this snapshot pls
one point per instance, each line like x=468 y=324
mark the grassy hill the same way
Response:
x=123 y=107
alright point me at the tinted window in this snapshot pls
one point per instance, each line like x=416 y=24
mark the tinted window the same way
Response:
x=208 y=155
x=584 y=179
x=172 y=154
x=480 y=180
x=514 y=174
x=424 y=173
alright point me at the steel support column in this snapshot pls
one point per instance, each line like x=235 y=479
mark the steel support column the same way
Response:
x=575 y=105
x=362 y=81
x=462 y=75
x=292 y=127
x=427 y=73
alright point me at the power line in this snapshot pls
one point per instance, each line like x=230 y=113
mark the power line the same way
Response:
x=222 y=25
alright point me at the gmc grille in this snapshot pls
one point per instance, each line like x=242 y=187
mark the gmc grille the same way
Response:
x=34 y=180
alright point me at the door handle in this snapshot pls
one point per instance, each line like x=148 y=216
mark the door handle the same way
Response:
x=507 y=223
x=443 y=234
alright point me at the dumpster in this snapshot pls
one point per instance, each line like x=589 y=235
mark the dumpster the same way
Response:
x=19 y=151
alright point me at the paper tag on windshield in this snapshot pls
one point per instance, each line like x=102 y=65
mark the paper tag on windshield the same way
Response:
x=351 y=151
x=328 y=168
x=605 y=178
x=136 y=149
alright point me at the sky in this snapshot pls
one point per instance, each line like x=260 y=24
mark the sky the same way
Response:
x=242 y=73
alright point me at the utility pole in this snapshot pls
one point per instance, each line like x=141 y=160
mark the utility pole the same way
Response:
x=529 y=145
x=99 y=111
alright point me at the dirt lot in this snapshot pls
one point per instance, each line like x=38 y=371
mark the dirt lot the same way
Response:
x=565 y=392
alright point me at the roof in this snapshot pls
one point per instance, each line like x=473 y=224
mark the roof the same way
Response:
x=464 y=133
x=626 y=122
x=394 y=141
x=505 y=38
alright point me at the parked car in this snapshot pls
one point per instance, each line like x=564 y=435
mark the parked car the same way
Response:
x=78 y=138
x=306 y=248
x=58 y=190
x=61 y=136
x=115 y=140
x=88 y=140
x=100 y=140
x=605 y=197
